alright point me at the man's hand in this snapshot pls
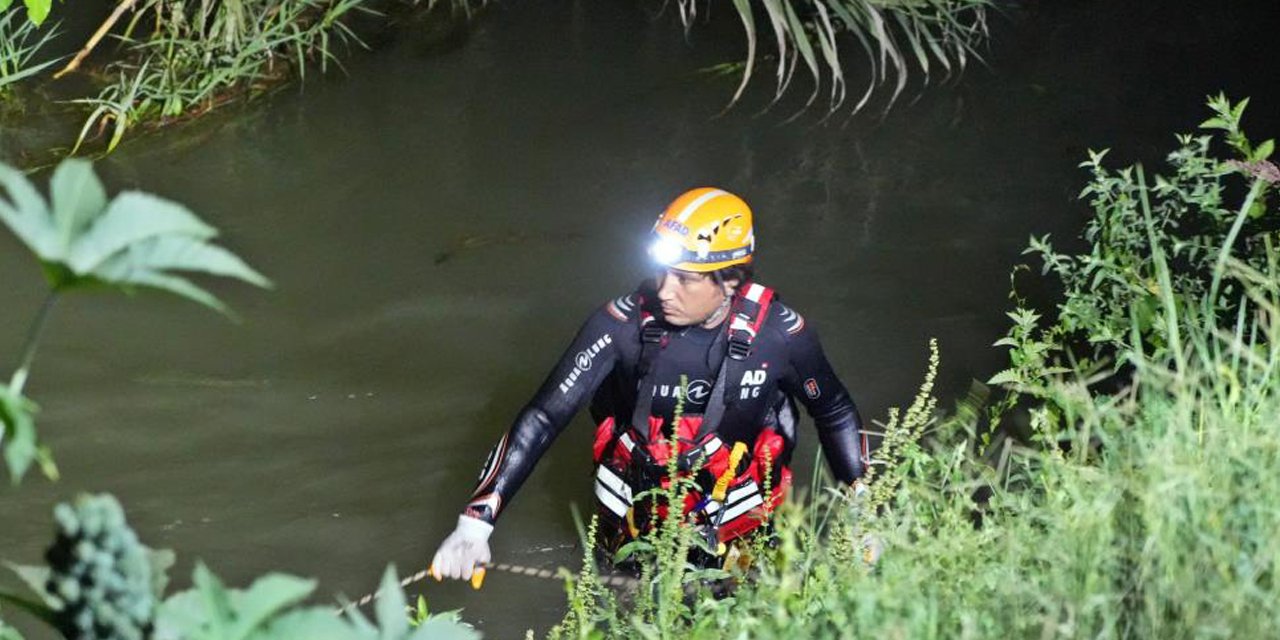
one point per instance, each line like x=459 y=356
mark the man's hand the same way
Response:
x=461 y=553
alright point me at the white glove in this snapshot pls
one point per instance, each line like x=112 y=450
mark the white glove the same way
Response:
x=465 y=548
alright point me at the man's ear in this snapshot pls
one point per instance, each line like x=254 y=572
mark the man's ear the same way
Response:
x=731 y=286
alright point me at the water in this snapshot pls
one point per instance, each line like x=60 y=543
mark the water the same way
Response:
x=439 y=221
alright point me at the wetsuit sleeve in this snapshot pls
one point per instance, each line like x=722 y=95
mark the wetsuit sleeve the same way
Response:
x=811 y=380
x=587 y=361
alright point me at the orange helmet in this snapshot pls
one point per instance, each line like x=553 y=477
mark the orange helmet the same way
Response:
x=704 y=230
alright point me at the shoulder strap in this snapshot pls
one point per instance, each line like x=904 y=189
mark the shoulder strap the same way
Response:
x=653 y=337
x=750 y=309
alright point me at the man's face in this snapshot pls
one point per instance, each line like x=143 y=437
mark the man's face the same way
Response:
x=687 y=297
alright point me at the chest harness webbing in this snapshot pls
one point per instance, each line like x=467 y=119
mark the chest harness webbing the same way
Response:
x=699 y=448
x=747 y=315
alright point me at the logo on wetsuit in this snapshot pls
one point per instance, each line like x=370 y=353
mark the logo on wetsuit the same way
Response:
x=699 y=391
x=752 y=381
x=582 y=362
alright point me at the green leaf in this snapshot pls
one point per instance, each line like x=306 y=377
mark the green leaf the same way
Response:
x=7 y=632
x=178 y=253
x=309 y=624
x=265 y=598
x=18 y=431
x=38 y=10
x=132 y=217
x=77 y=197
x=390 y=607
x=37 y=609
x=1215 y=123
x=26 y=214
x=1007 y=376
x=35 y=577
x=1264 y=150
x=4 y=5
x=161 y=561
x=178 y=286
x=441 y=628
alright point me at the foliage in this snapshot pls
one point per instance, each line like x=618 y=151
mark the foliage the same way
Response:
x=897 y=37
x=101 y=582
x=82 y=240
x=1157 y=255
x=200 y=54
x=134 y=240
x=37 y=10
x=99 y=573
x=19 y=48
x=7 y=632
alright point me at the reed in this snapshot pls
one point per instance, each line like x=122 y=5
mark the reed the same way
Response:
x=197 y=55
x=896 y=40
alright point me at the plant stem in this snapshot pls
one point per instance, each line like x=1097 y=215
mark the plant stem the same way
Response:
x=1254 y=192
x=1162 y=275
x=33 y=340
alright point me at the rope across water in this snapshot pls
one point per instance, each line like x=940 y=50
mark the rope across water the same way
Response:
x=514 y=569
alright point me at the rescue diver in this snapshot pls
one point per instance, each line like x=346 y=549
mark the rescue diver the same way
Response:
x=745 y=357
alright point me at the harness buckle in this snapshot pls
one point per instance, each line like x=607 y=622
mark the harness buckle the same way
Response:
x=652 y=333
x=739 y=346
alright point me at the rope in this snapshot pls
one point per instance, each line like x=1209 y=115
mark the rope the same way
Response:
x=514 y=569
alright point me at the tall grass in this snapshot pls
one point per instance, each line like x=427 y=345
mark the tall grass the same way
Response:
x=20 y=43
x=195 y=55
x=896 y=40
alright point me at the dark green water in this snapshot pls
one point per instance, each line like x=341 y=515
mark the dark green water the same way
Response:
x=438 y=222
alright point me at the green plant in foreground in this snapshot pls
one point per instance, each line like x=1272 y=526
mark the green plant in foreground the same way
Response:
x=101 y=583
x=85 y=241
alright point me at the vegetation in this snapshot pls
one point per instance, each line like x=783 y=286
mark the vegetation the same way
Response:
x=897 y=38
x=1142 y=509
x=83 y=241
x=183 y=58
x=37 y=10
x=19 y=50
x=100 y=581
x=199 y=55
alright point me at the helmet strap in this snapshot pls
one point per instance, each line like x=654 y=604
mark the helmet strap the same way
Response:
x=719 y=313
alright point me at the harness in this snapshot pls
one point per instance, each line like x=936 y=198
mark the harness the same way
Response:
x=632 y=457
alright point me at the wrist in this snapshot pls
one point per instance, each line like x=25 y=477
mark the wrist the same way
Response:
x=474 y=528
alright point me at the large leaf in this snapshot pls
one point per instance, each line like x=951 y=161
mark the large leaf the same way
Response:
x=311 y=624
x=210 y=611
x=443 y=628
x=26 y=214
x=391 y=606
x=175 y=285
x=178 y=253
x=132 y=217
x=135 y=240
x=77 y=197
x=268 y=596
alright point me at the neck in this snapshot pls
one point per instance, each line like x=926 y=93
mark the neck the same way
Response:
x=717 y=317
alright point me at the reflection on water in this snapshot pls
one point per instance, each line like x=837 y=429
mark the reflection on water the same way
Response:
x=438 y=222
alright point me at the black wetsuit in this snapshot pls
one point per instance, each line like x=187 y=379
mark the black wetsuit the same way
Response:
x=600 y=365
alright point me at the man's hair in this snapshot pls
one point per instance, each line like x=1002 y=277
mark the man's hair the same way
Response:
x=740 y=272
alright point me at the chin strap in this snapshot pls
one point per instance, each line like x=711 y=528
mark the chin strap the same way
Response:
x=722 y=309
